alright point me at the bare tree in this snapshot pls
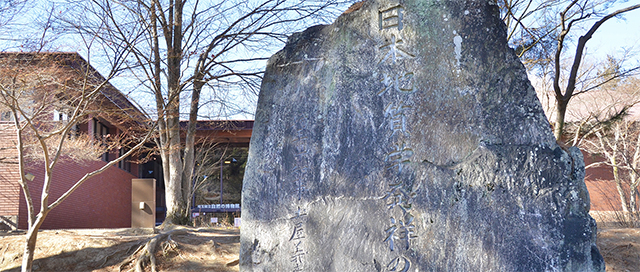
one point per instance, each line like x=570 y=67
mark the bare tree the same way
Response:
x=612 y=101
x=620 y=148
x=186 y=48
x=32 y=87
x=9 y=9
x=25 y=25
x=205 y=164
x=542 y=30
x=218 y=164
x=610 y=135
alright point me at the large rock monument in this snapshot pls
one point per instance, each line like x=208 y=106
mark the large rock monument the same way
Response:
x=407 y=137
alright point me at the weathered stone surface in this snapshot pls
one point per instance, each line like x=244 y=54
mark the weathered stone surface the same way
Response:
x=407 y=137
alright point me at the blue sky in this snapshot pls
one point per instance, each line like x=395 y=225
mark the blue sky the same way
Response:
x=616 y=34
x=612 y=36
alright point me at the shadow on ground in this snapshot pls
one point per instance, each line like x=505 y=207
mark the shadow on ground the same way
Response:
x=85 y=259
x=104 y=250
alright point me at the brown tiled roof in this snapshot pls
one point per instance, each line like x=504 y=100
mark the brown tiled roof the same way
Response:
x=221 y=125
x=235 y=132
x=111 y=98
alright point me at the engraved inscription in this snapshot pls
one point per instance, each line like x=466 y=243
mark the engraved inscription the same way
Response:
x=397 y=196
x=400 y=264
x=390 y=18
x=302 y=151
x=391 y=235
x=395 y=50
x=298 y=231
x=402 y=230
x=398 y=85
x=399 y=156
x=397 y=118
x=297 y=238
x=401 y=83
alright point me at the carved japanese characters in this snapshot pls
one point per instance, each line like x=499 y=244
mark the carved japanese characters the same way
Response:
x=406 y=137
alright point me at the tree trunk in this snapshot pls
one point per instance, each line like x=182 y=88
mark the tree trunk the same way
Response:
x=633 y=191
x=632 y=200
x=633 y=178
x=189 y=147
x=29 y=250
x=31 y=238
x=176 y=210
x=616 y=178
x=173 y=187
x=561 y=110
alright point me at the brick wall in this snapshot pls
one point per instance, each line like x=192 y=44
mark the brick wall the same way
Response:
x=104 y=201
x=9 y=176
x=602 y=189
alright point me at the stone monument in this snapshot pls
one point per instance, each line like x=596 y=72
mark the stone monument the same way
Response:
x=406 y=137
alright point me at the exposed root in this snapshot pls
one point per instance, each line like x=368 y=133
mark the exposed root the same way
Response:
x=3 y=254
x=131 y=258
x=233 y=263
x=128 y=260
x=146 y=252
x=169 y=245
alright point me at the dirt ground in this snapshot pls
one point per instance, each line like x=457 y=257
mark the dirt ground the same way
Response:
x=208 y=249
x=620 y=248
x=106 y=250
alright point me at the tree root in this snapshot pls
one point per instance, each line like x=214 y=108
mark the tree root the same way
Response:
x=233 y=263
x=131 y=258
x=146 y=252
x=3 y=254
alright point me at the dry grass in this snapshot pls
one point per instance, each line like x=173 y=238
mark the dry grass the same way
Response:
x=107 y=250
x=209 y=249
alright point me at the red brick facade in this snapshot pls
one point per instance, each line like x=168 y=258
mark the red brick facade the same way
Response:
x=602 y=189
x=104 y=201
x=9 y=176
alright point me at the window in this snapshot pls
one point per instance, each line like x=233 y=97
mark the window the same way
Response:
x=124 y=164
x=100 y=131
x=60 y=116
x=6 y=116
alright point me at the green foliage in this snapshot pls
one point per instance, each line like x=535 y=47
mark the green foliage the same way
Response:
x=611 y=72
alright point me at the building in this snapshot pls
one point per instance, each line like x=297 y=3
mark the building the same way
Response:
x=103 y=201
x=590 y=108
x=220 y=141
x=219 y=183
